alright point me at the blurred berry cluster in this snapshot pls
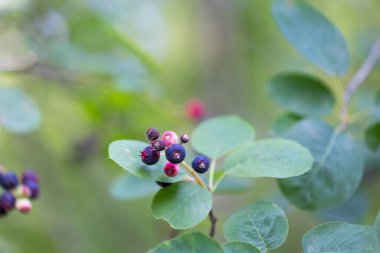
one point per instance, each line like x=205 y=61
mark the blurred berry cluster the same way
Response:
x=18 y=194
x=175 y=153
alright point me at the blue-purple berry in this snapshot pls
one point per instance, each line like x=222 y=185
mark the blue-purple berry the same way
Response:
x=152 y=134
x=175 y=153
x=149 y=156
x=200 y=164
x=34 y=188
x=158 y=145
x=29 y=175
x=8 y=180
x=7 y=201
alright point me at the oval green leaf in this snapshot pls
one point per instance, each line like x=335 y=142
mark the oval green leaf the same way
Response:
x=189 y=243
x=278 y=158
x=182 y=205
x=18 y=112
x=313 y=35
x=129 y=187
x=264 y=225
x=284 y=123
x=126 y=153
x=337 y=170
x=372 y=136
x=218 y=136
x=239 y=247
x=301 y=94
x=230 y=185
x=339 y=237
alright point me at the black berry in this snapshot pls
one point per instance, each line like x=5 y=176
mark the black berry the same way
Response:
x=175 y=153
x=163 y=184
x=149 y=156
x=8 y=180
x=200 y=164
x=158 y=145
x=185 y=138
x=7 y=201
x=152 y=134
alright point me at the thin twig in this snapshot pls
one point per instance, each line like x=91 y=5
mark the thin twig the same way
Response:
x=213 y=221
x=356 y=81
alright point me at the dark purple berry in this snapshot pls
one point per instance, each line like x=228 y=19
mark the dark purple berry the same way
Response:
x=2 y=211
x=158 y=145
x=149 y=156
x=171 y=169
x=7 y=201
x=200 y=164
x=34 y=188
x=8 y=180
x=163 y=184
x=29 y=175
x=175 y=153
x=185 y=138
x=152 y=134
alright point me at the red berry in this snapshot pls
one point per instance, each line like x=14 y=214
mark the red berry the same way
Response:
x=195 y=109
x=171 y=169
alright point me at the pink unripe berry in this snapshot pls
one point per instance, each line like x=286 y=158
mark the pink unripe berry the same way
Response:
x=23 y=191
x=24 y=205
x=171 y=169
x=195 y=109
x=169 y=137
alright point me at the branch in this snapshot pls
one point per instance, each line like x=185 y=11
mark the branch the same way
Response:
x=358 y=80
x=213 y=221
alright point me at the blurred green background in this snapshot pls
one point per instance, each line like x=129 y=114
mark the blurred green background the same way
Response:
x=106 y=70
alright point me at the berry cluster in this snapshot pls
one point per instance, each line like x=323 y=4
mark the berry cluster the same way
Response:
x=175 y=153
x=18 y=195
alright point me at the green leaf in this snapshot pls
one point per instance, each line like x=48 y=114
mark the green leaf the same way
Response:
x=372 y=136
x=284 y=123
x=301 y=94
x=377 y=228
x=339 y=237
x=129 y=187
x=189 y=243
x=239 y=247
x=182 y=205
x=278 y=158
x=218 y=136
x=313 y=35
x=264 y=225
x=18 y=112
x=337 y=170
x=126 y=153
x=231 y=185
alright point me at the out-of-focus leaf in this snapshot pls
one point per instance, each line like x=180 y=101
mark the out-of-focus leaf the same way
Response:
x=129 y=187
x=182 y=205
x=372 y=136
x=283 y=123
x=337 y=170
x=313 y=35
x=18 y=112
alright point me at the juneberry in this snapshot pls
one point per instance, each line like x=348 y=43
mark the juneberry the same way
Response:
x=23 y=205
x=158 y=145
x=29 y=175
x=163 y=184
x=8 y=180
x=185 y=138
x=149 y=156
x=200 y=164
x=171 y=169
x=152 y=134
x=34 y=188
x=2 y=211
x=7 y=201
x=169 y=137
x=175 y=153
x=195 y=109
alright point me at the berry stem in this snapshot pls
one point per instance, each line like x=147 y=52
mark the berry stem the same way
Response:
x=211 y=174
x=218 y=182
x=194 y=174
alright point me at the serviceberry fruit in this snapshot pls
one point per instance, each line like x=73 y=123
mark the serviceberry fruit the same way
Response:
x=195 y=109
x=200 y=164
x=2 y=211
x=175 y=153
x=34 y=189
x=171 y=169
x=152 y=134
x=158 y=145
x=7 y=201
x=169 y=137
x=23 y=205
x=149 y=156
x=163 y=184
x=8 y=180
x=29 y=175
x=185 y=138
